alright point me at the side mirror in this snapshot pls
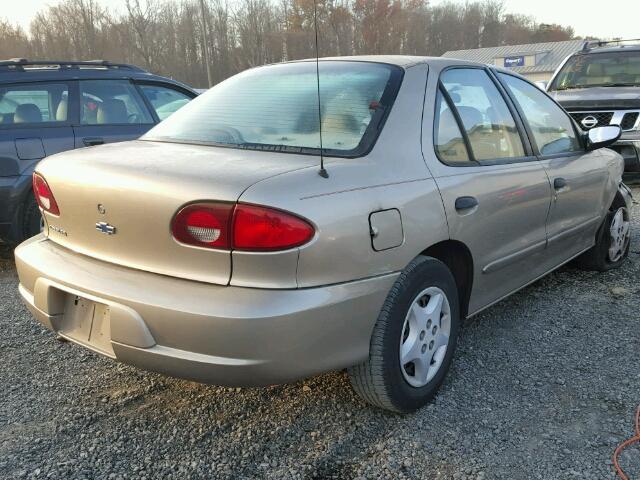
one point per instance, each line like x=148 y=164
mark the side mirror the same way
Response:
x=602 y=136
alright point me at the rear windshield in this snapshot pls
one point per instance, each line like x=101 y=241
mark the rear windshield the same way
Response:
x=613 y=69
x=276 y=108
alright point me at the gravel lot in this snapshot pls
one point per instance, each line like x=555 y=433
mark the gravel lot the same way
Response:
x=544 y=386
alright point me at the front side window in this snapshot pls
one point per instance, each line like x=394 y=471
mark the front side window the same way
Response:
x=164 y=100
x=276 y=108
x=111 y=102
x=488 y=123
x=552 y=128
x=610 y=69
x=33 y=103
x=449 y=142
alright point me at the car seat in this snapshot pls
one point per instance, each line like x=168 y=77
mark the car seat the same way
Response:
x=112 y=111
x=485 y=140
x=471 y=117
x=61 y=111
x=27 y=113
x=595 y=75
x=451 y=146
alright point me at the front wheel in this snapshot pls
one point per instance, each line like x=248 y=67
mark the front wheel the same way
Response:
x=612 y=243
x=413 y=340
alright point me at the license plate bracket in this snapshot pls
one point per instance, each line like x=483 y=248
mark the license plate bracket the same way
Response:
x=86 y=322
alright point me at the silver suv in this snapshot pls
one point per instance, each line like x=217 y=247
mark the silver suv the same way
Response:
x=284 y=224
x=600 y=85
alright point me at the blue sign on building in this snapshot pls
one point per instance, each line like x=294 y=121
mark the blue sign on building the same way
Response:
x=514 y=61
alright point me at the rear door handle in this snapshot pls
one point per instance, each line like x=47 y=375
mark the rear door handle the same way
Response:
x=92 y=141
x=466 y=203
x=559 y=183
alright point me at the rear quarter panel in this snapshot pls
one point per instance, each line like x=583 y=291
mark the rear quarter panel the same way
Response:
x=393 y=175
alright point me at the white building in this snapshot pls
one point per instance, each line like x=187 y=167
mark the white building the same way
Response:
x=536 y=61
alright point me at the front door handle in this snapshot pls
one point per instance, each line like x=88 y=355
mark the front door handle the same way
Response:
x=559 y=183
x=92 y=141
x=466 y=203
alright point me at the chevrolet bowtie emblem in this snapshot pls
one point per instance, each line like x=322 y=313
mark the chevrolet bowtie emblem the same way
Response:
x=104 y=227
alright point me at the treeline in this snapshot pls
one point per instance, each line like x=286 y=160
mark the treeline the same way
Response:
x=168 y=36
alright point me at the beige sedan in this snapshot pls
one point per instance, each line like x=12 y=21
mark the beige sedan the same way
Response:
x=253 y=239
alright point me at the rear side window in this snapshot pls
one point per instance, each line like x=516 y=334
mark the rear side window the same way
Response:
x=552 y=128
x=111 y=102
x=485 y=117
x=33 y=103
x=164 y=100
x=449 y=142
x=276 y=108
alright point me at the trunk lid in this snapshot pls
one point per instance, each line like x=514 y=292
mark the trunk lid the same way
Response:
x=117 y=201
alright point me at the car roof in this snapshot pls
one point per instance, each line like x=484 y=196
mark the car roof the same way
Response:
x=403 y=61
x=407 y=61
x=14 y=72
x=616 y=49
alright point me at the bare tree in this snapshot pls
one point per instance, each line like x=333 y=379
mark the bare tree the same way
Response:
x=142 y=24
x=166 y=36
x=14 y=42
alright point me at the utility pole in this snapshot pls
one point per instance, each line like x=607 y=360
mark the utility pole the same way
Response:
x=205 y=37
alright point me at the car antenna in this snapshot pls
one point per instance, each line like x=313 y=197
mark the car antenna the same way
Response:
x=322 y=172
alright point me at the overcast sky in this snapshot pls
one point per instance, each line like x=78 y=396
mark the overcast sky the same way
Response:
x=612 y=18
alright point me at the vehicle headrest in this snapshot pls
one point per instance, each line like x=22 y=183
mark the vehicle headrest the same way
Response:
x=595 y=69
x=633 y=68
x=27 y=113
x=112 y=111
x=61 y=111
x=470 y=117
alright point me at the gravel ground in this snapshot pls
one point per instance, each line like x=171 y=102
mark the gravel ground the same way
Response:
x=544 y=386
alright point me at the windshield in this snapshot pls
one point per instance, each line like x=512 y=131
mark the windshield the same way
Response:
x=610 y=69
x=276 y=108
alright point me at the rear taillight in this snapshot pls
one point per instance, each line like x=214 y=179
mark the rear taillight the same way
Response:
x=266 y=229
x=204 y=225
x=43 y=195
x=240 y=227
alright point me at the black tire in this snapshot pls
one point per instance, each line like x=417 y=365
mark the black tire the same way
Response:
x=379 y=380
x=597 y=257
x=31 y=218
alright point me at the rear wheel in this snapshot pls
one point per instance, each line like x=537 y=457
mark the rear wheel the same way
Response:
x=612 y=243
x=32 y=222
x=413 y=340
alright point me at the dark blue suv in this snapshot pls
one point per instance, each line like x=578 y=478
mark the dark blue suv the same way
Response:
x=47 y=107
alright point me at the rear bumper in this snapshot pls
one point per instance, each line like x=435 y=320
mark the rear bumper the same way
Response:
x=223 y=335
